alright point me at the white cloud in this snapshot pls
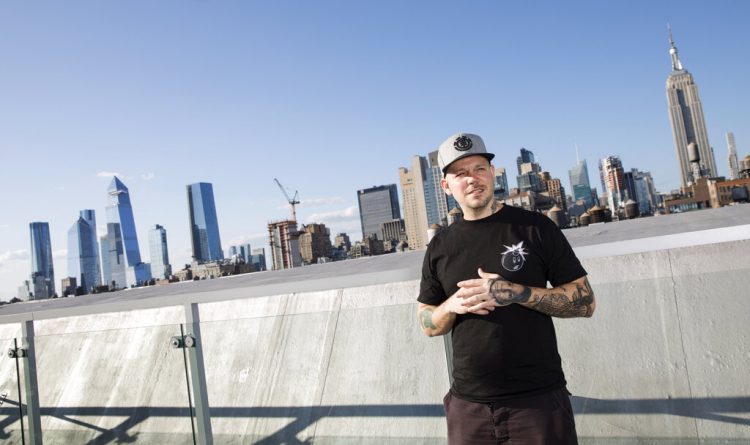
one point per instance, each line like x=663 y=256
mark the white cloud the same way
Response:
x=106 y=174
x=62 y=253
x=14 y=255
x=253 y=238
x=325 y=201
x=336 y=215
x=148 y=176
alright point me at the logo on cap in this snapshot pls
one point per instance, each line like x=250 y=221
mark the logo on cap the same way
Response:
x=462 y=143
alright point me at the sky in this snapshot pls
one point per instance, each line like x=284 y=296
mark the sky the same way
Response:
x=331 y=97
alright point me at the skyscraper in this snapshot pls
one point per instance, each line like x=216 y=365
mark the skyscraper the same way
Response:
x=126 y=267
x=413 y=185
x=157 y=242
x=83 y=252
x=579 y=183
x=645 y=193
x=204 y=225
x=376 y=206
x=501 y=184
x=686 y=116
x=613 y=180
x=734 y=165
x=42 y=269
x=443 y=203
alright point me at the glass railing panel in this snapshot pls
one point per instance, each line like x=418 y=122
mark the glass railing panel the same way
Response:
x=266 y=376
x=11 y=421
x=113 y=386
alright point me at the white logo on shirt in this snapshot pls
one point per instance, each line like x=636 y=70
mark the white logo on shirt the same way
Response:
x=514 y=257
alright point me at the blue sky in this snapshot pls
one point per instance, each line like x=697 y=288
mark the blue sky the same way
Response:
x=331 y=97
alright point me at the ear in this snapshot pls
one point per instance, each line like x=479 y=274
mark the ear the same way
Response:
x=444 y=186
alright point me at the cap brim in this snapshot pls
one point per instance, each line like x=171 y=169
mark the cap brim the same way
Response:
x=489 y=157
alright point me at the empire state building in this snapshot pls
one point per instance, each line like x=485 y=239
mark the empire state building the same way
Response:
x=686 y=116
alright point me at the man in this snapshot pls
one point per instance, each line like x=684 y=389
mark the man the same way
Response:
x=484 y=279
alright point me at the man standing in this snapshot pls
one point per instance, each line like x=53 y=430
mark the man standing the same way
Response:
x=485 y=280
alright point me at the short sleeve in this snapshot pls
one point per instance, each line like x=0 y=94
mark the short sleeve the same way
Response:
x=562 y=264
x=430 y=290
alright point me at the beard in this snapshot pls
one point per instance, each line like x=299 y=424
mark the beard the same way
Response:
x=480 y=204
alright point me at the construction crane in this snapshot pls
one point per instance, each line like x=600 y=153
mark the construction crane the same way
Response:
x=292 y=201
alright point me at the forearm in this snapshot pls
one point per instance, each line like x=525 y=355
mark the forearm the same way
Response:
x=435 y=320
x=574 y=299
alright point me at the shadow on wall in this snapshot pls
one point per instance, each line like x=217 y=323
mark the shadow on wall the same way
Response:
x=715 y=409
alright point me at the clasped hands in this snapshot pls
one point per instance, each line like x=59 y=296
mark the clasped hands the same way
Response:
x=481 y=295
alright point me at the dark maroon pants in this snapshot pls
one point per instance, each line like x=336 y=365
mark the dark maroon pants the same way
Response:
x=543 y=419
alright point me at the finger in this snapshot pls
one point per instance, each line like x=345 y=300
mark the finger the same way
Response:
x=486 y=275
x=468 y=292
x=471 y=283
x=485 y=305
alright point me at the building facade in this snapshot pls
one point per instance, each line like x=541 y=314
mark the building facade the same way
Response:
x=376 y=206
x=125 y=265
x=284 y=241
x=204 y=224
x=83 y=255
x=686 y=117
x=42 y=282
x=413 y=185
x=315 y=243
x=734 y=166
x=580 y=184
x=613 y=180
x=159 y=253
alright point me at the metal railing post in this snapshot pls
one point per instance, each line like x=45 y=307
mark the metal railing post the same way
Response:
x=31 y=384
x=198 y=374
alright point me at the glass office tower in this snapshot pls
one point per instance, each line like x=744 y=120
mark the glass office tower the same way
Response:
x=376 y=206
x=157 y=241
x=204 y=225
x=579 y=183
x=123 y=250
x=83 y=255
x=42 y=269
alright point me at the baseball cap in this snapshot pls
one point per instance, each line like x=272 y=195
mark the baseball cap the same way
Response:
x=459 y=146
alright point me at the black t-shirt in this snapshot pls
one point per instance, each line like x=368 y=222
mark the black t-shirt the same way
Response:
x=512 y=351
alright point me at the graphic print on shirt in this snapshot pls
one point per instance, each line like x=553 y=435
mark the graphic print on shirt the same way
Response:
x=514 y=257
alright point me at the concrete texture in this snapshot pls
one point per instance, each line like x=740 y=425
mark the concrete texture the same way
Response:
x=664 y=360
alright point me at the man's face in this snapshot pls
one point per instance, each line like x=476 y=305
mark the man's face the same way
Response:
x=471 y=181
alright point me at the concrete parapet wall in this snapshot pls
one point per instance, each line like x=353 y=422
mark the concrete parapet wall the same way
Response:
x=664 y=360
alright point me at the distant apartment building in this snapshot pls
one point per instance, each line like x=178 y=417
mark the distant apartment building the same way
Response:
x=377 y=205
x=204 y=224
x=734 y=166
x=557 y=193
x=42 y=280
x=283 y=239
x=342 y=241
x=394 y=230
x=413 y=186
x=258 y=259
x=314 y=243
x=157 y=241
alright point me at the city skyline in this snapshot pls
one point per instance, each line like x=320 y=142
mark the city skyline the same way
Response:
x=287 y=96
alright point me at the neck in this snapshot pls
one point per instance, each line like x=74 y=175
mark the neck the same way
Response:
x=492 y=207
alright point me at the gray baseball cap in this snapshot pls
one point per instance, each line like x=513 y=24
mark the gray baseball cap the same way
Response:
x=459 y=146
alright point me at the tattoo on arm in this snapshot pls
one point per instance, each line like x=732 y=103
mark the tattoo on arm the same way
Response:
x=561 y=304
x=425 y=319
x=505 y=295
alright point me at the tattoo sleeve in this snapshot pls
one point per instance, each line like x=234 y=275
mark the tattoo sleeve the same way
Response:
x=567 y=301
x=570 y=300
